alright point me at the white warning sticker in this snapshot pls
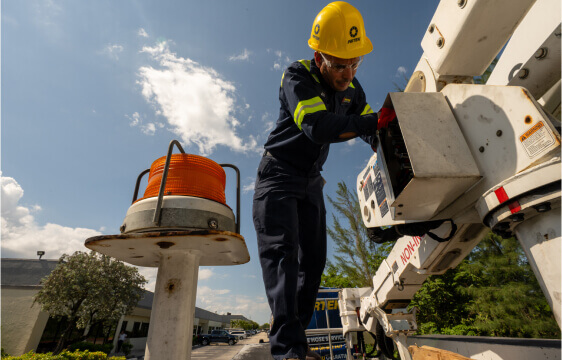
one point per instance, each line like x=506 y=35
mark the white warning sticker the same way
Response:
x=536 y=139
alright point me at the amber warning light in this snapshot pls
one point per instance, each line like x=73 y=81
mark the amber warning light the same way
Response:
x=184 y=191
x=181 y=222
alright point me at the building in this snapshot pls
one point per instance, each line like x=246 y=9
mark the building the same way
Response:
x=25 y=327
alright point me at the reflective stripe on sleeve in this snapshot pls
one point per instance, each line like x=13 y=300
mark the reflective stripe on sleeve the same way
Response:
x=307 y=107
x=367 y=110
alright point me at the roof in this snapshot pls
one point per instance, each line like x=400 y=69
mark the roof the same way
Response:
x=25 y=272
x=29 y=272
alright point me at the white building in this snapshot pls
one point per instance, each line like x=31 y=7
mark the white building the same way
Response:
x=25 y=327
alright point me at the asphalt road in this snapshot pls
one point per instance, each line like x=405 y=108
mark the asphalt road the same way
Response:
x=224 y=351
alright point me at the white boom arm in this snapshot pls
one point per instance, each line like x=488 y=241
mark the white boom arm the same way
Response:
x=486 y=157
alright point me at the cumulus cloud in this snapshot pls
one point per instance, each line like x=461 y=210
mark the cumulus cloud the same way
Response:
x=142 y=33
x=22 y=237
x=401 y=71
x=244 y=56
x=197 y=103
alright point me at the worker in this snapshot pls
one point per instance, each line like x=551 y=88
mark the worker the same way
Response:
x=321 y=103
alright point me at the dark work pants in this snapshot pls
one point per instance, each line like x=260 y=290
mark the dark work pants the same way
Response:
x=290 y=221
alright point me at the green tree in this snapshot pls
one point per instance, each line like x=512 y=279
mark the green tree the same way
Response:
x=506 y=297
x=356 y=257
x=87 y=287
x=242 y=324
x=493 y=292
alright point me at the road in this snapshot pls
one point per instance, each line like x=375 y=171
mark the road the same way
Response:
x=224 y=351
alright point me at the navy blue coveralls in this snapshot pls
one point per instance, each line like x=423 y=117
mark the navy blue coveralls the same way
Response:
x=288 y=206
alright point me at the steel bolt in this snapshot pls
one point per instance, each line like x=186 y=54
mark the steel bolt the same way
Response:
x=541 y=53
x=461 y=3
x=431 y=28
x=523 y=73
x=213 y=224
x=481 y=149
x=440 y=42
x=122 y=228
x=499 y=133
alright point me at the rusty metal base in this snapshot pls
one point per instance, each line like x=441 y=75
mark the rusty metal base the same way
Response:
x=144 y=249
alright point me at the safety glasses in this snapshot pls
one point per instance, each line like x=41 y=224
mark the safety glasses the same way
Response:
x=341 y=67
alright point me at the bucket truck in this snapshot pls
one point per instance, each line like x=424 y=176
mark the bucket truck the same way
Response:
x=479 y=157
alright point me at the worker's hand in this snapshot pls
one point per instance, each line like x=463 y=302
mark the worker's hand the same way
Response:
x=386 y=115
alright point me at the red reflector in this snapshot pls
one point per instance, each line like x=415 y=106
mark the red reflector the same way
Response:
x=501 y=195
x=514 y=207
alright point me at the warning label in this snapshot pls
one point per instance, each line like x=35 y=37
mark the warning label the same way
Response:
x=536 y=139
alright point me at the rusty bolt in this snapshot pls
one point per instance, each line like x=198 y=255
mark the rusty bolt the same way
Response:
x=481 y=149
x=499 y=133
x=213 y=224
x=431 y=28
x=122 y=228
x=523 y=73
x=440 y=42
x=541 y=53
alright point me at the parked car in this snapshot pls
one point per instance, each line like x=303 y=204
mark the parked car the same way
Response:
x=217 y=336
x=240 y=333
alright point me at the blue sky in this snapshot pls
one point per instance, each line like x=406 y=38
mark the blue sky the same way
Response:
x=92 y=92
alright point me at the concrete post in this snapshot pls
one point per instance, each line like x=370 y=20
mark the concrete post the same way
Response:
x=171 y=320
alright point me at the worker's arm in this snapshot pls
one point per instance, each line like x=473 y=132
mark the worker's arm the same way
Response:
x=313 y=118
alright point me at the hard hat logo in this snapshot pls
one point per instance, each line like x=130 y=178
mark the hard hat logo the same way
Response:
x=317 y=29
x=353 y=31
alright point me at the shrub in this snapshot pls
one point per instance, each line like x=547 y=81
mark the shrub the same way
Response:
x=106 y=348
x=65 y=355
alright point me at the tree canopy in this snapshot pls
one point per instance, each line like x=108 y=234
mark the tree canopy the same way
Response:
x=246 y=325
x=86 y=287
x=356 y=257
x=493 y=292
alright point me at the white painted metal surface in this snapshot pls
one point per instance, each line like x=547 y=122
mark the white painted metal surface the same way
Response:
x=535 y=28
x=540 y=238
x=145 y=249
x=464 y=36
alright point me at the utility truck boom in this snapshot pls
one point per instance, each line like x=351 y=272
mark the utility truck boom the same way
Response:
x=479 y=157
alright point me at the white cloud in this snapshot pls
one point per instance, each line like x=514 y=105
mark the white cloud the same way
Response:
x=142 y=33
x=198 y=105
x=401 y=71
x=112 y=51
x=245 y=56
x=281 y=60
x=146 y=128
x=223 y=301
x=205 y=274
x=249 y=187
x=22 y=237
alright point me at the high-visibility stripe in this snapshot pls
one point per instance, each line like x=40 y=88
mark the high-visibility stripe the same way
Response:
x=367 y=110
x=308 y=107
x=351 y=85
x=306 y=64
x=282 y=77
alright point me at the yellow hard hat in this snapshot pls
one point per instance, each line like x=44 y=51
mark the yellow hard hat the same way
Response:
x=338 y=30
